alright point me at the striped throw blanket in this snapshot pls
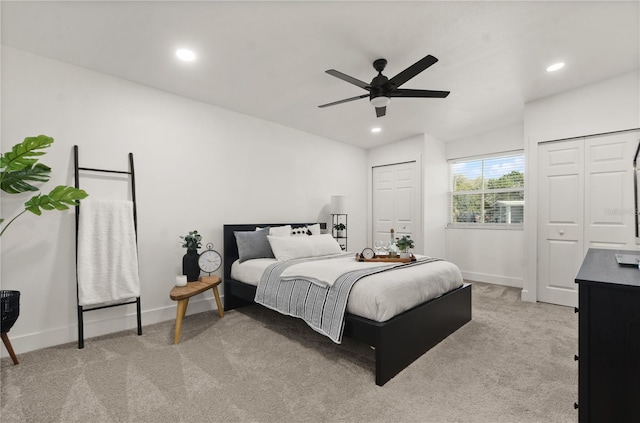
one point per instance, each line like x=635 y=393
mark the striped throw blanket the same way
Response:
x=321 y=307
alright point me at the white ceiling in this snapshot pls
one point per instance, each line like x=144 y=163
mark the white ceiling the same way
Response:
x=267 y=59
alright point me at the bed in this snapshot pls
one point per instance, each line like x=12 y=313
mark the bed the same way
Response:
x=397 y=341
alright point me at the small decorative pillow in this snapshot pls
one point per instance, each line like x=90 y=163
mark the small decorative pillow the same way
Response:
x=289 y=248
x=301 y=231
x=306 y=230
x=253 y=244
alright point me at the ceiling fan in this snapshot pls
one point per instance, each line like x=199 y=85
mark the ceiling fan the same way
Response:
x=381 y=88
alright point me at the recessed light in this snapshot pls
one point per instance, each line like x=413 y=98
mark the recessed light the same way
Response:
x=555 y=67
x=374 y=130
x=186 y=55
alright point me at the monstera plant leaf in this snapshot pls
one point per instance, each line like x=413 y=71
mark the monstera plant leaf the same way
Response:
x=18 y=181
x=60 y=198
x=19 y=170
x=24 y=154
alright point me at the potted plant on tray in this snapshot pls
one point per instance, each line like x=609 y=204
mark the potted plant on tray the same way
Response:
x=405 y=244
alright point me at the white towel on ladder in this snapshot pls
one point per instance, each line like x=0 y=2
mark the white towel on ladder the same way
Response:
x=107 y=253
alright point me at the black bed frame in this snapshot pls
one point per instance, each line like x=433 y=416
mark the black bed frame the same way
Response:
x=398 y=342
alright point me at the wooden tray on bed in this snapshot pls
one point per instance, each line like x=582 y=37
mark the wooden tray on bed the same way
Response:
x=384 y=259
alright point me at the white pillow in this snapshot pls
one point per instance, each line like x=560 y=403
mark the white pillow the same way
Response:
x=289 y=248
x=280 y=230
x=315 y=229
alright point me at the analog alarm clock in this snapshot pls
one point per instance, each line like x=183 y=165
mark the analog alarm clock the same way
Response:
x=209 y=260
x=368 y=253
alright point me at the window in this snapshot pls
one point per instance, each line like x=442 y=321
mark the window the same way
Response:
x=487 y=192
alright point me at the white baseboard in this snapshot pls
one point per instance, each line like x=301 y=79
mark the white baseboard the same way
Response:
x=526 y=295
x=494 y=279
x=102 y=326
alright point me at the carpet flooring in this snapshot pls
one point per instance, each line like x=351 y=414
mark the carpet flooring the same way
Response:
x=512 y=363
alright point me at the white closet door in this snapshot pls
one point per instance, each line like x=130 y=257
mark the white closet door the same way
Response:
x=560 y=226
x=585 y=200
x=396 y=201
x=609 y=211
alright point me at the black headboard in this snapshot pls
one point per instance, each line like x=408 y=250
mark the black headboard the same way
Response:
x=230 y=253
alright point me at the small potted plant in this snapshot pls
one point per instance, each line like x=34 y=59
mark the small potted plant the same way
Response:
x=340 y=228
x=190 y=267
x=405 y=244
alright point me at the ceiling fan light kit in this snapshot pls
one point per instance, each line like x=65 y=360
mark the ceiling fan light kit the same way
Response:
x=380 y=101
x=381 y=88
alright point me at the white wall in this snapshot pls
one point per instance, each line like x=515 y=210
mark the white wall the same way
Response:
x=197 y=167
x=435 y=183
x=606 y=106
x=500 y=140
x=488 y=255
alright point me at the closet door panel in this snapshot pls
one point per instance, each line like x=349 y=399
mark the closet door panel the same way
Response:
x=560 y=225
x=609 y=206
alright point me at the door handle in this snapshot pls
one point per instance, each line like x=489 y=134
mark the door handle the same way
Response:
x=561 y=232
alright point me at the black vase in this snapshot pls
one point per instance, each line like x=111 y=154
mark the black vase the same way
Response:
x=190 y=265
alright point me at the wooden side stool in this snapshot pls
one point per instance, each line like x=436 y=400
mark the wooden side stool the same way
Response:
x=181 y=294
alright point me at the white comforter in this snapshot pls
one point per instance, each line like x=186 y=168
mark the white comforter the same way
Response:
x=381 y=296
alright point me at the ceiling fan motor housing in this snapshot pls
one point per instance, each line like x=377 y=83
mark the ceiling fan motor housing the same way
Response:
x=380 y=86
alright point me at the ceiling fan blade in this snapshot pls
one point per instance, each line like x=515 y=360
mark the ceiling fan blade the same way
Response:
x=349 y=79
x=345 y=100
x=419 y=93
x=413 y=70
x=381 y=111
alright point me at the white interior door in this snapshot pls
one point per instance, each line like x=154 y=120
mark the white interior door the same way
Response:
x=560 y=214
x=397 y=202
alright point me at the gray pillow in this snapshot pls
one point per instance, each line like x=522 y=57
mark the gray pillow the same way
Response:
x=253 y=244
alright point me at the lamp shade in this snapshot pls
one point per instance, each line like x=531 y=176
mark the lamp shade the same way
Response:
x=338 y=204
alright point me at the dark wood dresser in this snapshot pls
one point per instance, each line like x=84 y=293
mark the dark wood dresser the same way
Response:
x=609 y=339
